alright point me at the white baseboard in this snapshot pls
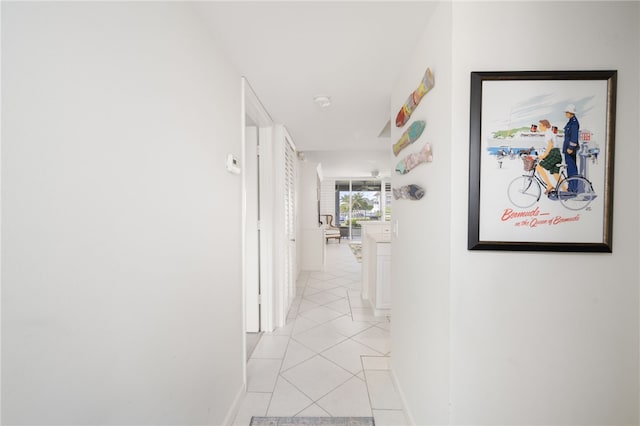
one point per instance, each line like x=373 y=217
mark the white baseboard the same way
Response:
x=235 y=406
x=405 y=406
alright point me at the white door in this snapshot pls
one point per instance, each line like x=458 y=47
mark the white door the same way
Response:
x=284 y=228
x=252 y=236
x=290 y=223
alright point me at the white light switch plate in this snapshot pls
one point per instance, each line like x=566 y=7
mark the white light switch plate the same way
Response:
x=232 y=164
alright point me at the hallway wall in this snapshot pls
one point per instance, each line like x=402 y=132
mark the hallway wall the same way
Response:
x=116 y=278
x=421 y=251
x=328 y=198
x=523 y=349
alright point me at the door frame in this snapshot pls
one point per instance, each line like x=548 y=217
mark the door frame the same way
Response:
x=275 y=296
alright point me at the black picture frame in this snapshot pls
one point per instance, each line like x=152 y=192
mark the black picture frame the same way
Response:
x=503 y=105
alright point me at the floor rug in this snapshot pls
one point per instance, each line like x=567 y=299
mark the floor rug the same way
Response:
x=312 y=421
x=356 y=248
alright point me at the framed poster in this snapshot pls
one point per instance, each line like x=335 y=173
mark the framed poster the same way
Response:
x=541 y=160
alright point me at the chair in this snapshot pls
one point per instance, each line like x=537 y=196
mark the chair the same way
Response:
x=330 y=230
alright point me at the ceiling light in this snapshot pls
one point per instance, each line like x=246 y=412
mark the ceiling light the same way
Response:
x=322 y=100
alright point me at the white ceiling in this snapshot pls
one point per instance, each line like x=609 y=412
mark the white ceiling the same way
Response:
x=350 y=51
x=351 y=164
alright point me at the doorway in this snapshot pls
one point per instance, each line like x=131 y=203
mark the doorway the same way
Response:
x=257 y=125
x=269 y=227
x=357 y=201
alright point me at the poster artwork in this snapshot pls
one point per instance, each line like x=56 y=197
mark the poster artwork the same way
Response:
x=543 y=161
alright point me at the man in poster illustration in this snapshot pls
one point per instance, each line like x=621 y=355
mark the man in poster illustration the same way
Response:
x=570 y=146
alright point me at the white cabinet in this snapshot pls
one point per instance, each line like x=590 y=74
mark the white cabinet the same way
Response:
x=378 y=265
x=370 y=227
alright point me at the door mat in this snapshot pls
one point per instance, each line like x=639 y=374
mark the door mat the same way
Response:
x=312 y=421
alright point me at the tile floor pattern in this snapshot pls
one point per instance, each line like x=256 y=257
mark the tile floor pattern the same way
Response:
x=331 y=358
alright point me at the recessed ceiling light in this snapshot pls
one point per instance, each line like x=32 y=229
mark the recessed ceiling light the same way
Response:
x=322 y=100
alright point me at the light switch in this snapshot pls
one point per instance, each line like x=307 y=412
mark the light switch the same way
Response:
x=232 y=164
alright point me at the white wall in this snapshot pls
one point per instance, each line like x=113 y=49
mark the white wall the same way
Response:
x=308 y=201
x=421 y=255
x=121 y=284
x=524 y=348
x=310 y=236
x=328 y=198
x=300 y=191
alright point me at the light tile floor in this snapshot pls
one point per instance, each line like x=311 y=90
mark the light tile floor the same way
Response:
x=331 y=359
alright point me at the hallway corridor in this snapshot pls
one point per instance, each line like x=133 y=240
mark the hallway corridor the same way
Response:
x=332 y=357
